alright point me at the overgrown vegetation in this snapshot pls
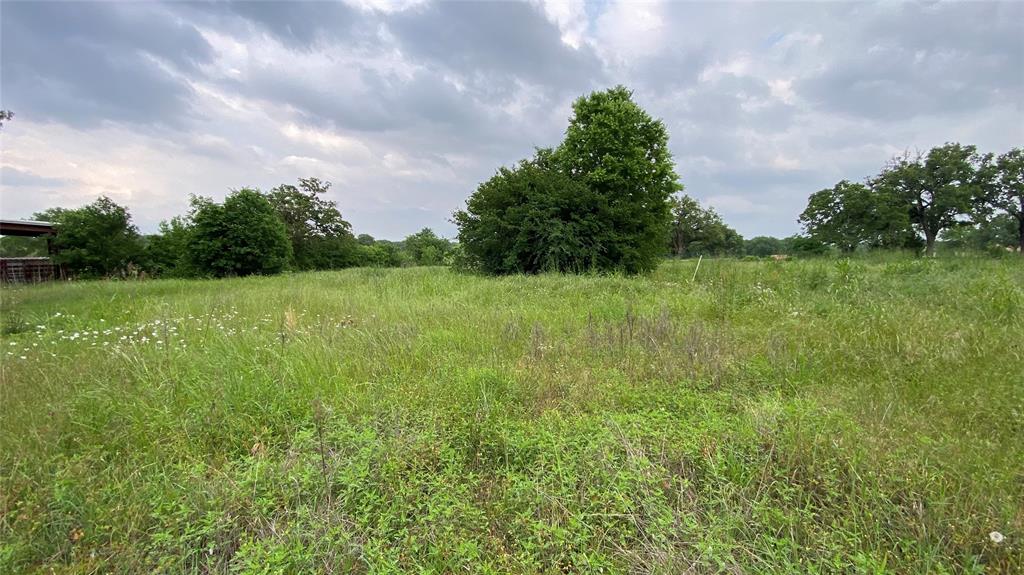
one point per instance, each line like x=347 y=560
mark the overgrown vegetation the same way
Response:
x=597 y=202
x=809 y=416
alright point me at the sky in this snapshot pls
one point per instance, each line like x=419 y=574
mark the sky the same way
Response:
x=407 y=106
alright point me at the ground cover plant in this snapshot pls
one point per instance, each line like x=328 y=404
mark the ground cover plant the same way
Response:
x=811 y=416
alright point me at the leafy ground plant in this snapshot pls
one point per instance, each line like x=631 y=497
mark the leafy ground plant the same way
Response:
x=819 y=416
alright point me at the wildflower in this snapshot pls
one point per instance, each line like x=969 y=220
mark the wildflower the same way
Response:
x=996 y=537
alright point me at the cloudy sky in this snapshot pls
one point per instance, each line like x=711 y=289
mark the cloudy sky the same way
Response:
x=407 y=106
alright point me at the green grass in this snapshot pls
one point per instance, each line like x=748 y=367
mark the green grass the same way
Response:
x=820 y=416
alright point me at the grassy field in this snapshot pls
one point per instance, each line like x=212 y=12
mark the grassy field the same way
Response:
x=820 y=416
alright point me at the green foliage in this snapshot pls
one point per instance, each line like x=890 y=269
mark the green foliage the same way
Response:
x=320 y=238
x=165 y=254
x=764 y=246
x=599 y=202
x=938 y=189
x=757 y=417
x=1004 y=190
x=805 y=246
x=995 y=233
x=97 y=240
x=426 y=248
x=244 y=236
x=850 y=215
x=383 y=254
x=621 y=154
x=534 y=218
x=697 y=231
x=19 y=247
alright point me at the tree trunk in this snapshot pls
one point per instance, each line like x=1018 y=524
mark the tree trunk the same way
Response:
x=1020 y=232
x=929 y=243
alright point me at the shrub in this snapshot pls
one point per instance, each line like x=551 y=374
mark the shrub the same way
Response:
x=598 y=202
x=244 y=236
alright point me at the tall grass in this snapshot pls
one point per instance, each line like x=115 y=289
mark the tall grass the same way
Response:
x=829 y=416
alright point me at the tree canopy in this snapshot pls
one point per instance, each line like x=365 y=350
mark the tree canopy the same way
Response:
x=1004 y=189
x=938 y=188
x=696 y=230
x=849 y=215
x=597 y=202
x=96 y=240
x=320 y=238
x=242 y=236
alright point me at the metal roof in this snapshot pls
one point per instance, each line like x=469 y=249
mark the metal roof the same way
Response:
x=25 y=228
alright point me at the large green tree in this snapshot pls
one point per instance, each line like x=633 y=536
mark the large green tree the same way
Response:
x=937 y=189
x=97 y=240
x=1005 y=189
x=319 y=236
x=695 y=230
x=597 y=202
x=243 y=236
x=849 y=215
x=621 y=154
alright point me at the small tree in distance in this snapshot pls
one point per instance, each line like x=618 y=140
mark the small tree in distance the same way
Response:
x=695 y=230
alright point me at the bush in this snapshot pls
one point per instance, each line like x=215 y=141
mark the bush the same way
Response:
x=598 y=202
x=244 y=236
x=532 y=218
x=97 y=240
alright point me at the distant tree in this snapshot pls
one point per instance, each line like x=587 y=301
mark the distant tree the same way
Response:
x=5 y=116
x=426 y=248
x=938 y=189
x=533 y=218
x=19 y=247
x=244 y=236
x=383 y=254
x=849 y=215
x=695 y=230
x=319 y=236
x=166 y=253
x=365 y=239
x=97 y=240
x=763 y=246
x=1004 y=189
x=805 y=246
x=993 y=233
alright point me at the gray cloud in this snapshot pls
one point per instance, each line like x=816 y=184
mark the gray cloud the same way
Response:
x=917 y=59
x=20 y=178
x=408 y=110
x=81 y=64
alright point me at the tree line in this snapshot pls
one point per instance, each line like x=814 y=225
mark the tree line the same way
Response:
x=607 y=198
x=969 y=199
x=290 y=227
